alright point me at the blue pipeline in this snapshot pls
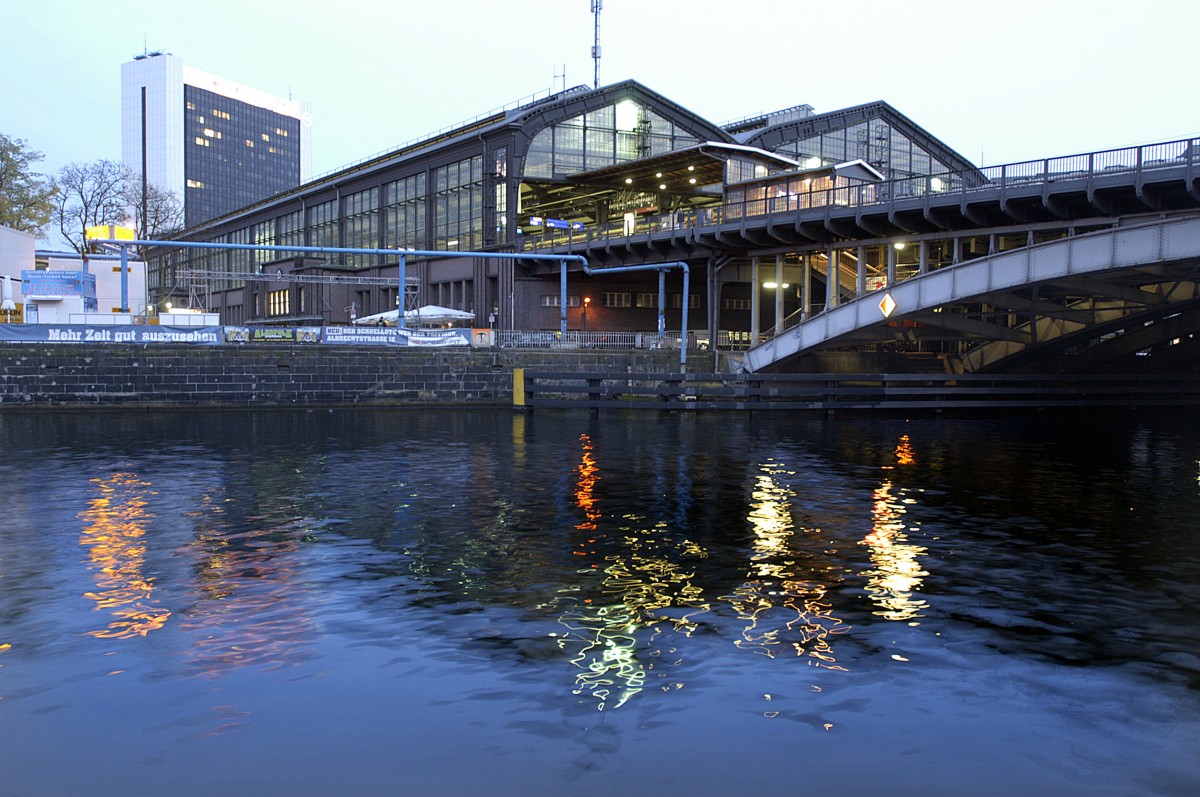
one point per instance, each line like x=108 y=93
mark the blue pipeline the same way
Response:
x=402 y=254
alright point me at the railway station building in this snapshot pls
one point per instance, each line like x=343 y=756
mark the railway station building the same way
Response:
x=619 y=174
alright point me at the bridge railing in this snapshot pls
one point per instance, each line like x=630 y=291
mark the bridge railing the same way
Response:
x=783 y=196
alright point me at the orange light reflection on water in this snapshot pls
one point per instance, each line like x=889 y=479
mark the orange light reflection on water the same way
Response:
x=585 y=486
x=114 y=537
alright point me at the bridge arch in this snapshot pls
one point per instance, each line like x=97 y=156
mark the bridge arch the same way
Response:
x=1123 y=270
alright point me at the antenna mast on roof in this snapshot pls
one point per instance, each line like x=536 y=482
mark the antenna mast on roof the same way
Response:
x=596 y=6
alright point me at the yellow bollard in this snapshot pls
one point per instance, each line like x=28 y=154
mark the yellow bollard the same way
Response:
x=518 y=387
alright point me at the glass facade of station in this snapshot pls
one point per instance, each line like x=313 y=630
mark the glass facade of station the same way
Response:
x=622 y=132
x=876 y=141
x=405 y=213
x=458 y=205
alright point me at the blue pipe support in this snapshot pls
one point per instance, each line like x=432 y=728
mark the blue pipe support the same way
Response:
x=124 y=279
x=661 y=268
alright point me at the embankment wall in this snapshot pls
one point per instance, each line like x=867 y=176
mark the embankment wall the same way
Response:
x=64 y=375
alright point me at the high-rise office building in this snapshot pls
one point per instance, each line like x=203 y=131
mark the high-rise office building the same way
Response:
x=219 y=145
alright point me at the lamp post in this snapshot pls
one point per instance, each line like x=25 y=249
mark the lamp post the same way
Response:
x=779 y=288
x=586 y=301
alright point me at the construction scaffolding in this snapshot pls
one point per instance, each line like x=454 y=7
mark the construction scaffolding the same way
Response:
x=199 y=283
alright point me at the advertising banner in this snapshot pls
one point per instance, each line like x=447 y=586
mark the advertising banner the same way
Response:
x=272 y=334
x=119 y=333
x=58 y=284
x=382 y=336
x=434 y=337
x=137 y=333
x=391 y=336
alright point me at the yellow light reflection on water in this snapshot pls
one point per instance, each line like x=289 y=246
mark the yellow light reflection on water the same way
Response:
x=895 y=575
x=114 y=536
x=785 y=610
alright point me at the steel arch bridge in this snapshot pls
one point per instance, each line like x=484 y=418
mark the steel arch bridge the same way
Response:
x=1084 y=302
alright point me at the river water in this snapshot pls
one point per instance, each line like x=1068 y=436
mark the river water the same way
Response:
x=414 y=602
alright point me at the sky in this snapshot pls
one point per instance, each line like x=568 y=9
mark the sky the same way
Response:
x=999 y=82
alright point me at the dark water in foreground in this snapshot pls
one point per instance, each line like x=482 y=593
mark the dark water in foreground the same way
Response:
x=450 y=602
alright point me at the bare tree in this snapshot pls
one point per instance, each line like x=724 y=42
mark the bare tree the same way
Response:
x=163 y=210
x=26 y=198
x=89 y=194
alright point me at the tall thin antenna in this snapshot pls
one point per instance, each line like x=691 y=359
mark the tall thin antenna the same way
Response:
x=596 y=6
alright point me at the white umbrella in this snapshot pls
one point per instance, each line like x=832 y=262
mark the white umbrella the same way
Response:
x=429 y=314
x=433 y=314
x=6 y=303
x=389 y=318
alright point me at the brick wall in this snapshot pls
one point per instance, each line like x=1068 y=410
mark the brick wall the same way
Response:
x=45 y=375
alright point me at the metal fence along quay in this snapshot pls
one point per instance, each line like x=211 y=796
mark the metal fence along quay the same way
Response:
x=534 y=389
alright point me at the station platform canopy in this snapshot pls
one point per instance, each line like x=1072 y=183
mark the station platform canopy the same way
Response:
x=682 y=171
x=694 y=176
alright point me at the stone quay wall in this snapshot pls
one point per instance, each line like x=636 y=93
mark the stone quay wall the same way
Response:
x=269 y=375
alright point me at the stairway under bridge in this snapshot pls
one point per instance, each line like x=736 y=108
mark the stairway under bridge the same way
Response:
x=1125 y=298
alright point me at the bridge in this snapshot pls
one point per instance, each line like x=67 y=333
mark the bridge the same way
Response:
x=1089 y=300
x=1086 y=261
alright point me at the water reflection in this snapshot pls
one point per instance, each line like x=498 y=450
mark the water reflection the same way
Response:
x=588 y=474
x=626 y=635
x=786 y=610
x=483 y=584
x=4 y=644
x=115 y=538
x=896 y=572
x=248 y=591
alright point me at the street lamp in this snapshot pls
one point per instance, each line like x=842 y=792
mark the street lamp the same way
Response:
x=586 y=301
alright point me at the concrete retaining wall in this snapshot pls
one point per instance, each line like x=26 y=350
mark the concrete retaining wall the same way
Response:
x=283 y=375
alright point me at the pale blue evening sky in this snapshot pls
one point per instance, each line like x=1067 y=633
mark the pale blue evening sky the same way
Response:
x=997 y=81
